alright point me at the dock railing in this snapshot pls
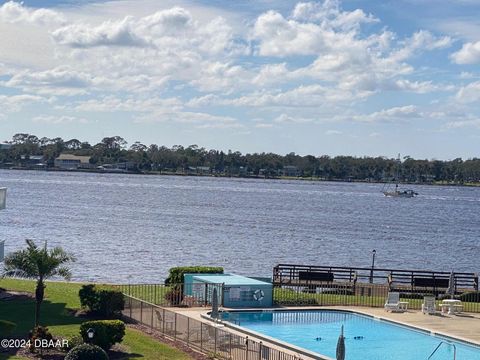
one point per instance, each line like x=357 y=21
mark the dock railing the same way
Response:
x=204 y=337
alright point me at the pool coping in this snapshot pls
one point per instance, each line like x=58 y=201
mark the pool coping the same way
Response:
x=274 y=341
x=306 y=352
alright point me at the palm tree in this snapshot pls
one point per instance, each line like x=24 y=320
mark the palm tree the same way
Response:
x=40 y=264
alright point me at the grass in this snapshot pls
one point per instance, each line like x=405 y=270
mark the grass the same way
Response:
x=56 y=313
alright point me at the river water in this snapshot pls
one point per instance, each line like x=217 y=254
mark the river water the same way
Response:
x=133 y=228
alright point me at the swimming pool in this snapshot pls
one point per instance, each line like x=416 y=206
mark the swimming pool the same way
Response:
x=366 y=337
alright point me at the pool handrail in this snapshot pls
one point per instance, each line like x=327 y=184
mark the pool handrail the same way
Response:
x=440 y=344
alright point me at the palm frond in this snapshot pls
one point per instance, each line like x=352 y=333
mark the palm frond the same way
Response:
x=35 y=262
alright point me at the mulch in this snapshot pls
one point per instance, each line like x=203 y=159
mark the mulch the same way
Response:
x=7 y=295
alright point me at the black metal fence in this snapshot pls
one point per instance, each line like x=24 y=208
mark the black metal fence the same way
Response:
x=368 y=295
x=206 y=338
x=311 y=294
x=187 y=295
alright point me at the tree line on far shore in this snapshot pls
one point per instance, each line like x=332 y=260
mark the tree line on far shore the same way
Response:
x=155 y=158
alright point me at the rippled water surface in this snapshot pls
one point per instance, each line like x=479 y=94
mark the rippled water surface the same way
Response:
x=132 y=228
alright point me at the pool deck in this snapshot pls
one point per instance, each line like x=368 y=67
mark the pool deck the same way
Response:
x=463 y=326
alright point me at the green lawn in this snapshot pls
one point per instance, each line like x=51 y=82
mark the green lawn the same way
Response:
x=56 y=314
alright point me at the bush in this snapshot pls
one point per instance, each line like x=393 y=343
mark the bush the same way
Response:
x=472 y=296
x=174 y=296
x=72 y=342
x=39 y=333
x=110 y=302
x=86 y=352
x=176 y=273
x=88 y=296
x=413 y=296
x=107 y=332
x=104 y=302
x=6 y=327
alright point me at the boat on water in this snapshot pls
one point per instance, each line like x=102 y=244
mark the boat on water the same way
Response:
x=407 y=193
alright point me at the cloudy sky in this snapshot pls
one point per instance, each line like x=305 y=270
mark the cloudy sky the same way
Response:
x=352 y=77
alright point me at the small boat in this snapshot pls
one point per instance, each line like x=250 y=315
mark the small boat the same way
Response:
x=408 y=193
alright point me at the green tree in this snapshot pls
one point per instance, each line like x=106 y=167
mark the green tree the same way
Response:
x=39 y=264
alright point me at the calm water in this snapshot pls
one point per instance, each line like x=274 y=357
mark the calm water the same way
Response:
x=131 y=228
x=365 y=338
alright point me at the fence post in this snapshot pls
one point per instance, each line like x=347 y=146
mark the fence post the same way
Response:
x=151 y=319
x=188 y=330
x=141 y=312
x=260 y=350
x=246 y=348
x=175 y=330
x=163 y=321
x=206 y=294
x=131 y=306
x=215 y=341
x=201 y=336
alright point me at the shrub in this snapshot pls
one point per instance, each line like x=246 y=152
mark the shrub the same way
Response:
x=110 y=302
x=88 y=296
x=472 y=296
x=104 y=302
x=72 y=342
x=107 y=332
x=175 y=295
x=6 y=327
x=413 y=296
x=86 y=352
x=176 y=273
x=39 y=333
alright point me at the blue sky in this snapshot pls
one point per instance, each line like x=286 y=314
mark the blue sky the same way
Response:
x=352 y=77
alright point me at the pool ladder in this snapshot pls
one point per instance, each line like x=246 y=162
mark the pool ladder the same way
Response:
x=446 y=343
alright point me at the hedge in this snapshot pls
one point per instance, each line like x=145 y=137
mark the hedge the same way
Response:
x=176 y=273
x=107 y=332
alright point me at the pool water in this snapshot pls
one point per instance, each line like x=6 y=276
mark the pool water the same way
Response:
x=366 y=337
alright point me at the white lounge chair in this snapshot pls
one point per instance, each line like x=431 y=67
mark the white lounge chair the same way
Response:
x=428 y=306
x=393 y=303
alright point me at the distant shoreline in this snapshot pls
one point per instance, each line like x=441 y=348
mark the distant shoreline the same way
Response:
x=255 y=177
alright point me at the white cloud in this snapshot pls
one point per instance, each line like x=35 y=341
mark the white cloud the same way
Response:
x=278 y=36
x=58 y=81
x=469 y=93
x=57 y=120
x=466 y=75
x=333 y=132
x=421 y=87
x=115 y=104
x=468 y=54
x=263 y=126
x=195 y=119
x=115 y=33
x=287 y=119
x=393 y=114
x=206 y=100
x=15 y=12
x=463 y=123
x=15 y=103
x=328 y=13
x=419 y=42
